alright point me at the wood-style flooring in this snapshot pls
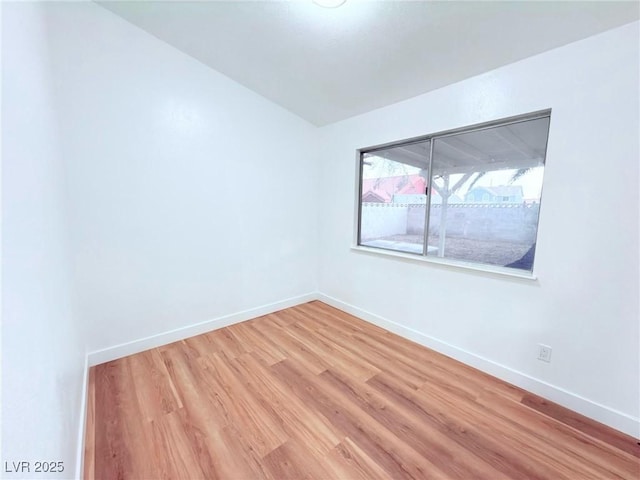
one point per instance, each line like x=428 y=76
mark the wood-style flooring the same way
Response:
x=311 y=392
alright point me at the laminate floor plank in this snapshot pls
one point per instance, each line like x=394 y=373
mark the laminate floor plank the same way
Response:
x=171 y=447
x=262 y=431
x=434 y=445
x=121 y=433
x=291 y=461
x=314 y=393
x=587 y=426
x=429 y=411
x=352 y=344
x=525 y=434
x=432 y=363
x=155 y=392
x=314 y=313
x=292 y=348
x=609 y=461
x=399 y=460
x=427 y=360
x=198 y=346
x=348 y=461
x=200 y=393
x=298 y=421
x=225 y=341
x=90 y=437
x=335 y=355
x=268 y=352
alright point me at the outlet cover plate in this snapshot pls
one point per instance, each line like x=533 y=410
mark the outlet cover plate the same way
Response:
x=544 y=353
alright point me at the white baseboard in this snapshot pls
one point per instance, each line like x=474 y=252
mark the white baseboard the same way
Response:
x=601 y=413
x=118 y=351
x=82 y=424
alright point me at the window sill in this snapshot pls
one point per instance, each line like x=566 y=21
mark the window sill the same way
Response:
x=456 y=264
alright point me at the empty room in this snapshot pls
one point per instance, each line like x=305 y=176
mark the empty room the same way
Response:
x=320 y=240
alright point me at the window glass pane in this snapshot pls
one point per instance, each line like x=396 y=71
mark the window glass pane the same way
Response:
x=486 y=189
x=393 y=200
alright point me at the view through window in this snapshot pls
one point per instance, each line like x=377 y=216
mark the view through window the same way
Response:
x=470 y=196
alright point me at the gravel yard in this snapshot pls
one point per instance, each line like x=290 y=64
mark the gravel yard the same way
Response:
x=481 y=251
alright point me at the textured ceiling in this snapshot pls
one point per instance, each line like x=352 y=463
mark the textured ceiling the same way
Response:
x=329 y=64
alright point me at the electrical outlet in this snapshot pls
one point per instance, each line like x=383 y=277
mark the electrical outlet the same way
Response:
x=544 y=353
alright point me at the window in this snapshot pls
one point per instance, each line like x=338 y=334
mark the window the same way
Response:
x=470 y=196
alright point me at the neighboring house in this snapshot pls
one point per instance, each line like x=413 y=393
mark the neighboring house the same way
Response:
x=503 y=194
x=372 y=197
x=391 y=189
x=436 y=199
x=417 y=199
x=410 y=198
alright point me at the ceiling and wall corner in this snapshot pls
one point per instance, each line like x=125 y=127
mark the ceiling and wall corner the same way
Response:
x=326 y=65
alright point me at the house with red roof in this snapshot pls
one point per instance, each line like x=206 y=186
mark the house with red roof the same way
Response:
x=384 y=189
x=405 y=189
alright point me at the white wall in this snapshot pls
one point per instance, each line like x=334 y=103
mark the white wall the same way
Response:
x=43 y=350
x=585 y=301
x=192 y=197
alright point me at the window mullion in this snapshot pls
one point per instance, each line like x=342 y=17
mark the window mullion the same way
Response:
x=428 y=188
